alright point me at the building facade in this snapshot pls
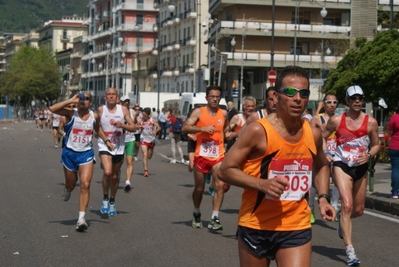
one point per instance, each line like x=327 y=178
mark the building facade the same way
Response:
x=117 y=30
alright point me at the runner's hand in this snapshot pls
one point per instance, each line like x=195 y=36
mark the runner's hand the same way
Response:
x=327 y=211
x=275 y=187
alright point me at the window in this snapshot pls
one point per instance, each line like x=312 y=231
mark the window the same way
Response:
x=332 y=19
x=303 y=17
x=302 y=48
x=139 y=19
x=64 y=33
x=229 y=15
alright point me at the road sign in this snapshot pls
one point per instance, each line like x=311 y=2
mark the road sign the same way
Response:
x=271 y=76
x=319 y=82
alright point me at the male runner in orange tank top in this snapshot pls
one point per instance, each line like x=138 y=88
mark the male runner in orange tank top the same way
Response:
x=209 y=123
x=274 y=160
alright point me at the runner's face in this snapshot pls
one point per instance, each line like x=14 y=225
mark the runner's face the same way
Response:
x=111 y=96
x=86 y=103
x=249 y=107
x=271 y=101
x=295 y=105
x=213 y=98
x=126 y=103
x=330 y=104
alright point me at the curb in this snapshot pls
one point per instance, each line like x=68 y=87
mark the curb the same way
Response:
x=382 y=202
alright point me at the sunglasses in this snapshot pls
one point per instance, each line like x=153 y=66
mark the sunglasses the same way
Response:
x=136 y=109
x=84 y=98
x=356 y=97
x=331 y=102
x=291 y=91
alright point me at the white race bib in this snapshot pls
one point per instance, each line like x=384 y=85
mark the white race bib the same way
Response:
x=297 y=172
x=209 y=148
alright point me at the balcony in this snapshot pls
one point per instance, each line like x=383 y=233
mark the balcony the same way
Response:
x=145 y=27
x=192 y=41
x=176 y=46
x=252 y=59
x=176 y=71
x=153 y=75
x=140 y=73
x=253 y=28
x=215 y=4
x=65 y=39
x=137 y=6
x=76 y=54
x=167 y=72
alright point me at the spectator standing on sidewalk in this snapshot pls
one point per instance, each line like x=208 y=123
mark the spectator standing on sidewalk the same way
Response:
x=355 y=131
x=162 y=124
x=393 y=131
x=231 y=110
x=175 y=136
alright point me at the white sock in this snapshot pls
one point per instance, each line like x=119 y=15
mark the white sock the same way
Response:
x=127 y=182
x=197 y=211
x=349 y=248
x=81 y=214
x=334 y=196
x=215 y=213
x=312 y=195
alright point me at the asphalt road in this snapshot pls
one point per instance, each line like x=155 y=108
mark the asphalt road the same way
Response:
x=153 y=225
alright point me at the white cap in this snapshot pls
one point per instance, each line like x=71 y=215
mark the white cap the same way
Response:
x=354 y=90
x=124 y=98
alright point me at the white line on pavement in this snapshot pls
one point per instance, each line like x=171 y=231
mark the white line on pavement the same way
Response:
x=378 y=215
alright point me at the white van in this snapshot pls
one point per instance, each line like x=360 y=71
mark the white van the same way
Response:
x=188 y=101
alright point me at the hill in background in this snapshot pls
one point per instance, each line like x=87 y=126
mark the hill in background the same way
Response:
x=22 y=16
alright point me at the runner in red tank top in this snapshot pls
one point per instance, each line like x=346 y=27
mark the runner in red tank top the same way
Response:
x=355 y=131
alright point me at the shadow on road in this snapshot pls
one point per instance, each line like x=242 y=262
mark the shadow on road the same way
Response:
x=329 y=252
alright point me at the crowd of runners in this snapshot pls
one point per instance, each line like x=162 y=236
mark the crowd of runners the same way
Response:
x=298 y=161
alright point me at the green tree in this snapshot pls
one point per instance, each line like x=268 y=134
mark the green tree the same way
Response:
x=32 y=74
x=373 y=65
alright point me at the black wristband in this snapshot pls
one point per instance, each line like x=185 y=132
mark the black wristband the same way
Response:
x=106 y=141
x=326 y=196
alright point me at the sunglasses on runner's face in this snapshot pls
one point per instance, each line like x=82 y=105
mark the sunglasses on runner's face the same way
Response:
x=331 y=102
x=291 y=91
x=356 y=97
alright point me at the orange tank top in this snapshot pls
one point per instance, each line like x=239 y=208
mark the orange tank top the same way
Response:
x=210 y=147
x=291 y=211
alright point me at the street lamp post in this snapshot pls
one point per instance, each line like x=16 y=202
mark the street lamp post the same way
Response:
x=124 y=73
x=272 y=44
x=137 y=29
x=93 y=61
x=108 y=45
x=242 y=62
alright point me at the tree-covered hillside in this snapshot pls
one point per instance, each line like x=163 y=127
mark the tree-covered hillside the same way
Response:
x=19 y=16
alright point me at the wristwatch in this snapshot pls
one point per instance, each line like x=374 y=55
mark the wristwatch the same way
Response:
x=326 y=196
x=106 y=141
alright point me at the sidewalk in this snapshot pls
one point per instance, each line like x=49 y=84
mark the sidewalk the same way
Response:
x=380 y=198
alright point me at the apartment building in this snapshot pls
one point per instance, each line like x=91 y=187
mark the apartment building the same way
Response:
x=9 y=45
x=271 y=34
x=59 y=37
x=117 y=30
x=182 y=52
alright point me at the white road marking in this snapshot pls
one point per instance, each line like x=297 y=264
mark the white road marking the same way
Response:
x=378 y=215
